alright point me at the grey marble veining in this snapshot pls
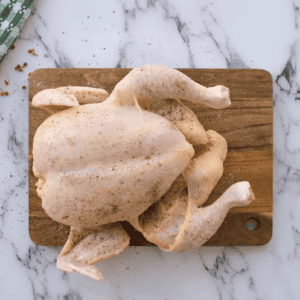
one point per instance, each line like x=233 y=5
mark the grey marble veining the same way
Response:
x=179 y=34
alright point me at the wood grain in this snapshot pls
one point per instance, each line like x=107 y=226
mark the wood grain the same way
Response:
x=247 y=125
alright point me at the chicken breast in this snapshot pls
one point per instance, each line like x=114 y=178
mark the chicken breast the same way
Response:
x=99 y=163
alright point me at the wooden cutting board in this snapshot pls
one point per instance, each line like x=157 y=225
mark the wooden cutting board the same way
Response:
x=247 y=125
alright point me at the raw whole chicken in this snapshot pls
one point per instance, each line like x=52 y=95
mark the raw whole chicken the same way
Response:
x=129 y=156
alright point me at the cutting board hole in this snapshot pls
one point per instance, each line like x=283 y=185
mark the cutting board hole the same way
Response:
x=252 y=224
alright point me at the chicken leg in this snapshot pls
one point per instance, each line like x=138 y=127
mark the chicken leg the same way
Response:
x=177 y=223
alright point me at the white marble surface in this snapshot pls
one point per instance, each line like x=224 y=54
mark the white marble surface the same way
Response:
x=185 y=34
